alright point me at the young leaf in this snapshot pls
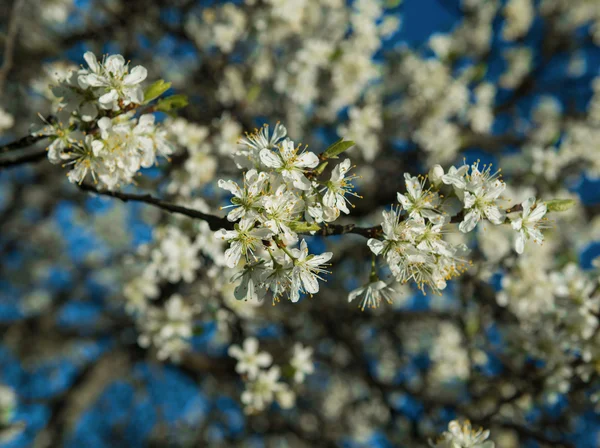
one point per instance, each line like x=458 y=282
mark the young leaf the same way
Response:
x=171 y=103
x=336 y=149
x=156 y=90
x=303 y=227
x=559 y=205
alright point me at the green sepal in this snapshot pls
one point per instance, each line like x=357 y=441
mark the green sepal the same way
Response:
x=319 y=170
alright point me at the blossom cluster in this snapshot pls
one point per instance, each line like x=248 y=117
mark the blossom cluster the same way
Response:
x=168 y=328
x=281 y=195
x=263 y=385
x=99 y=129
x=463 y=436
x=292 y=56
x=557 y=309
x=413 y=244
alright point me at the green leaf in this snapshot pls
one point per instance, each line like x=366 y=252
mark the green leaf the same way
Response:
x=172 y=103
x=319 y=170
x=559 y=205
x=156 y=90
x=392 y=3
x=336 y=149
x=303 y=227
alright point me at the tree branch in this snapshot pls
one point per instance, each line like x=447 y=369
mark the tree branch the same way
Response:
x=22 y=143
x=34 y=156
x=216 y=222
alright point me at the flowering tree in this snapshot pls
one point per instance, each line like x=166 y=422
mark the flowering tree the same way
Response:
x=279 y=222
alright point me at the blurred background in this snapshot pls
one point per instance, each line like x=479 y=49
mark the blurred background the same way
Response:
x=414 y=83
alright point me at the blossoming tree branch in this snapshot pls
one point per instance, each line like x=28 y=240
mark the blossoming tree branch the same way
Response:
x=307 y=229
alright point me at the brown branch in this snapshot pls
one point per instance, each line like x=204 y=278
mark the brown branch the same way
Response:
x=22 y=143
x=214 y=222
x=19 y=159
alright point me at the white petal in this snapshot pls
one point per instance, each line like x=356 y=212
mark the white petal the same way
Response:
x=307 y=160
x=115 y=64
x=230 y=186
x=520 y=242
x=94 y=80
x=270 y=159
x=233 y=254
x=108 y=99
x=538 y=213
x=495 y=215
x=469 y=222
x=251 y=346
x=137 y=75
x=91 y=60
x=310 y=282
x=376 y=246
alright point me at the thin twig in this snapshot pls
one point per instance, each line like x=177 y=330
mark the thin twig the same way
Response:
x=19 y=159
x=22 y=143
x=216 y=222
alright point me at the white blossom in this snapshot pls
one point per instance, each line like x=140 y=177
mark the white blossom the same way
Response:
x=528 y=224
x=250 y=360
x=302 y=362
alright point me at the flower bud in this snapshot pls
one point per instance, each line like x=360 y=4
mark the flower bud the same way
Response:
x=435 y=174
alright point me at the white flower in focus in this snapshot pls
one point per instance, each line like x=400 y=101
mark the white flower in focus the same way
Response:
x=528 y=224
x=260 y=139
x=305 y=274
x=114 y=79
x=456 y=176
x=279 y=212
x=483 y=188
x=482 y=203
x=464 y=436
x=251 y=287
x=338 y=185
x=418 y=202
x=372 y=294
x=245 y=201
x=394 y=229
x=243 y=240
x=291 y=162
x=250 y=360
x=302 y=362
